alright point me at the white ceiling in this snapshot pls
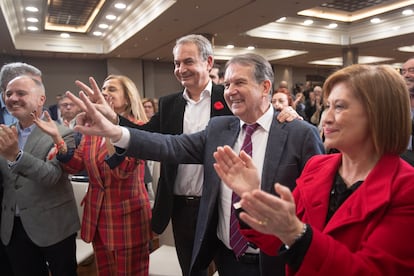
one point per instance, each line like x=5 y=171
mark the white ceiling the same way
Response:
x=147 y=30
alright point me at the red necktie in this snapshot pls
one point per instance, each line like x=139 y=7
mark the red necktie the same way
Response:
x=237 y=242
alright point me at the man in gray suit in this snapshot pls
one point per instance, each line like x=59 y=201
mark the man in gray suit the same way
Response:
x=39 y=213
x=280 y=152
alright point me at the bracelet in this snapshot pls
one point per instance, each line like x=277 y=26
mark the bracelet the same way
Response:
x=61 y=147
x=299 y=236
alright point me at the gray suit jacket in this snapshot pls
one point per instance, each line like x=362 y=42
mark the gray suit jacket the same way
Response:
x=41 y=190
x=288 y=148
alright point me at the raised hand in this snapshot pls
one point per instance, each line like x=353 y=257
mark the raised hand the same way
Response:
x=237 y=172
x=9 y=145
x=288 y=114
x=94 y=93
x=48 y=125
x=91 y=121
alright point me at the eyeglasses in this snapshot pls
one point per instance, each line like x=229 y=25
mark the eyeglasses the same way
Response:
x=66 y=105
x=409 y=70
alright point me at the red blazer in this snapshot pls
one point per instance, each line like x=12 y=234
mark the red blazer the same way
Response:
x=116 y=203
x=372 y=231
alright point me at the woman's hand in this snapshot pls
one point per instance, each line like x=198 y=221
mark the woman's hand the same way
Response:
x=273 y=215
x=48 y=125
x=238 y=172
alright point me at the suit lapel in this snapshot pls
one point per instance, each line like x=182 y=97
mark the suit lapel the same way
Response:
x=274 y=148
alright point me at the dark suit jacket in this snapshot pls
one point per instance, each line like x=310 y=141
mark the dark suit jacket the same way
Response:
x=169 y=120
x=288 y=148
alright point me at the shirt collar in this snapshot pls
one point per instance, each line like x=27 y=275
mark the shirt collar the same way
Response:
x=265 y=121
x=206 y=91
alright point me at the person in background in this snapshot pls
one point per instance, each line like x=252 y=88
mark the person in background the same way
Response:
x=117 y=213
x=407 y=71
x=39 y=214
x=281 y=98
x=68 y=111
x=288 y=146
x=150 y=107
x=8 y=72
x=214 y=74
x=352 y=213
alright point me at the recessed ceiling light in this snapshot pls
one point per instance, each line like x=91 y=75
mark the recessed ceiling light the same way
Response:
x=281 y=19
x=230 y=46
x=31 y=9
x=110 y=17
x=308 y=22
x=32 y=28
x=251 y=48
x=332 y=26
x=120 y=6
x=406 y=49
x=64 y=35
x=375 y=20
x=97 y=33
x=32 y=20
x=407 y=12
x=103 y=26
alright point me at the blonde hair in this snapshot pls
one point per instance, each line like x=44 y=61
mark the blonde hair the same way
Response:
x=134 y=107
x=384 y=95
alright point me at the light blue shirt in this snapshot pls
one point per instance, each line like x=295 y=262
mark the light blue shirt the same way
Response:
x=8 y=118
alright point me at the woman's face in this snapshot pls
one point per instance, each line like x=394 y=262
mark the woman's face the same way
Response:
x=280 y=101
x=149 y=109
x=114 y=94
x=345 y=122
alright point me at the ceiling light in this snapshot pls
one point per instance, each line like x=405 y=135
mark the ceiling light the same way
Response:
x=308 y=22
x=251 y=48
x=332 y=26
x=281 y=19
x=103 y=26
x=32 y=28
x=32 y=20
x=64 y=35
x=230 y=46
x=375 y=20
x=97 y=33
x=110 y=17
x=407 y=12
x=31 y=9
x=120 y=6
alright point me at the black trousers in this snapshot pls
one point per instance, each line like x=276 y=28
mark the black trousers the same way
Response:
x=29 y=259
x=184 y=222
x=228 y=265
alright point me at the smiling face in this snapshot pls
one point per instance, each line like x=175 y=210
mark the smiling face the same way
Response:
x=114 y=93
x=345 y=121
x=407 y=71
x=23 y=96
x=246 y=98
x=190 y=69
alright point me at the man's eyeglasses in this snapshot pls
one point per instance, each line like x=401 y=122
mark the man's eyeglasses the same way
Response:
x=66 y=105
x=409 y=70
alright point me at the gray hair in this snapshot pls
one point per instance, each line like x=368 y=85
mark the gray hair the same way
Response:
x=204 y=46
x=262 y=70
x=12 y=70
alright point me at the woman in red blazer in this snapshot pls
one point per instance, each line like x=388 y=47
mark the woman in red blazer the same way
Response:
x=117 y=213
x=351 y=213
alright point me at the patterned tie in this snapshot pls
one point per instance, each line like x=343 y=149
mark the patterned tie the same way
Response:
x=237 y=241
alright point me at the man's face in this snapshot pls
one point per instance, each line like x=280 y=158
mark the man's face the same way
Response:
x=407 y=71
x=246 y=98
x=189 y=67
x=68 y=109
x=23 y=96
